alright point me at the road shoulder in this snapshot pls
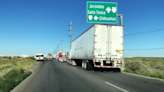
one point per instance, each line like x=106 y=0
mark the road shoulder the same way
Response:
x=35 y=69
x=143 y=76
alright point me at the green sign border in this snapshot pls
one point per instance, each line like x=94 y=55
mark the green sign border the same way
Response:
x=100 y=2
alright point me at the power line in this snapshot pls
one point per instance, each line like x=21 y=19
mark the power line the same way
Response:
x=66 y=41
x=79 y=26
x=79 y=12
x=146 y=49
x=75 y=18
x=79 y=20
x=145 y=32
x=65 y=36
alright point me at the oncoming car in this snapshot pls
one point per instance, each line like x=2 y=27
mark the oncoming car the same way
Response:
x=39 y=57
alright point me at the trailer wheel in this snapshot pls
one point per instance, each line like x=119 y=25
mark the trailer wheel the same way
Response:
x=117 y=70
x=83 y=64
x=95 y=69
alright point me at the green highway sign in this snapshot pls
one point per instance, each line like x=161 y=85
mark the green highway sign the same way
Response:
x=104 y=12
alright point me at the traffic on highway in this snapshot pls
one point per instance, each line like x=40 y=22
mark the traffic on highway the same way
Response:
x=81 y=46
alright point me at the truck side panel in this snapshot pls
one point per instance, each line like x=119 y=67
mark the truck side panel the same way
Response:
x=82 y=47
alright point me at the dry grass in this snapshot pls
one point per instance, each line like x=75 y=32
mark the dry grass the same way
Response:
x=13 y=71
x=153 y=67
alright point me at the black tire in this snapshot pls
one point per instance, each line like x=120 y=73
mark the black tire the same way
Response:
x=118 y=70
x=95 y=69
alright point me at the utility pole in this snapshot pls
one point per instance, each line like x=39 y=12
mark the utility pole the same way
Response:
x=70 y=38
x=61 y=44
x=70 y=32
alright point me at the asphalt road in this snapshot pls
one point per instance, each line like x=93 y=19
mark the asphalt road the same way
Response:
x=61 y=77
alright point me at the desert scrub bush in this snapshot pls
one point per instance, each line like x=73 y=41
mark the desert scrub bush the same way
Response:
x=159 y=65
x=13 y=71
x=136 y=66
x=12 y=79
x=32 y=58
x=5 y=57
x=4 y=67
x=153 y=67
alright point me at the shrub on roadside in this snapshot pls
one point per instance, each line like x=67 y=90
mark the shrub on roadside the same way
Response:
x=153 y=67
x=12 y=79
x=5 y=57
x=17 y=71
x=31 y=58
x=136 y=66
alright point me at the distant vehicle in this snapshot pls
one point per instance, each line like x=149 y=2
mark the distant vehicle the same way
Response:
x=64 y=57
x=101 y=46
x=59 y=56
x=49 y=57
x=39 y=57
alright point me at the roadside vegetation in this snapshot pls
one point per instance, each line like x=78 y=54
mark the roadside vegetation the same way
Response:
x=13 y=71
x=153 y=67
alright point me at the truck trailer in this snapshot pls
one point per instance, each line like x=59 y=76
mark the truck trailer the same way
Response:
x=49 y=57
x=64 y=57
x=59 y=56
x=101 y=46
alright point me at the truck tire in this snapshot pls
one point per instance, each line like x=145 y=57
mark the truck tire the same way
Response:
x=95 y=69
x=86 y=65
x=83 y=64
x=117 y=70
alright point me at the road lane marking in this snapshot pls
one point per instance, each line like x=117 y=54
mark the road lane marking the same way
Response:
x=116 y=87
x=74 y=68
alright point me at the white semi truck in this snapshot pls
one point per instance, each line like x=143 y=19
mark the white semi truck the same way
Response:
x=101 y=46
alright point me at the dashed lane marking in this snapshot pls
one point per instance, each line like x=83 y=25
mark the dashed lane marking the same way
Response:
x=116 y=87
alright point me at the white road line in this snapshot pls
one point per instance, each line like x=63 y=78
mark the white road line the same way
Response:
x=74 y=68
x=116 y=87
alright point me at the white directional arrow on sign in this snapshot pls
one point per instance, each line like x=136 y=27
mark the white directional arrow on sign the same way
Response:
x=95 y=17
x=108 y=9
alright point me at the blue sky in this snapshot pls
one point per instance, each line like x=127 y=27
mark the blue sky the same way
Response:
x=33 y=26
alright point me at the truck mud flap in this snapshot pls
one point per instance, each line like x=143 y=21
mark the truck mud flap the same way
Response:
x=115 y=70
